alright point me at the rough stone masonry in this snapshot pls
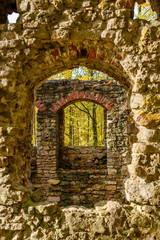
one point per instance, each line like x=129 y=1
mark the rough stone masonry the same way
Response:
x=81 y=175
x=55 y=35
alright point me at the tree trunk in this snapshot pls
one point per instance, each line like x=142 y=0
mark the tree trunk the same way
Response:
x=71 y=127
x=77 y=130
x=88 y=130
x=94 y=125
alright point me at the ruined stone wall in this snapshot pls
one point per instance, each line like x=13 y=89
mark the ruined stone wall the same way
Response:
x=80 y=175
x=49 y=37
x=75 y=157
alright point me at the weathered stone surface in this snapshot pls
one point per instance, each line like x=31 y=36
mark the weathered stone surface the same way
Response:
x=148 y=120
x=137 y=190
x=85 y=174
x=53 y=181
x=148 y=135
x=47 y=208
x=38 y=195
x=37 y=47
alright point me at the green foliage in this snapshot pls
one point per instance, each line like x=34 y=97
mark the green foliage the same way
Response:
x=81 y=73
x=145 y=12
x=34 y=136
x=84 y=124
x=84 y=121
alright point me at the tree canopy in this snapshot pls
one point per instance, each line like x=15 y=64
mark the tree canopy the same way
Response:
x=144 y=11
x=84 y=124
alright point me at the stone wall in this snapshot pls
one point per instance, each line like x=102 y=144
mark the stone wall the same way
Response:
x=83 y=157
x=49 y=37
x=84 y=175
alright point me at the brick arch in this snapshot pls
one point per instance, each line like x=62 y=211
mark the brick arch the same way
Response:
x=81 y=96
x=66 y=159
x=68 y=48
x=53 y=36
x=53 y=61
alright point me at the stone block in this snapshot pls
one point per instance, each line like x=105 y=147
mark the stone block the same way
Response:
x=38 y=195
x=138 y=190
x=53 y=181
x=137 y=101
x=112 y=171
x=53 y=199
x=111 y=188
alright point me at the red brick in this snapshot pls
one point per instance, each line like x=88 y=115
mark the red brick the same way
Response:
x=105 y=101
x=59 y=103
x=81 y=94
x=37 y=104
x=42 y=107
x=62 y=101
x=52 y=110
x=73 y=94
x=66 y=100
x=56 y=55
x=102 y=99
x=92 y=53
x=92 y=96
x=71 y=97
x=97 y=96
x=77 y=95
x=68 y=97
x=55 y=106
x=125 y=105
x=87 y=95
x=109 y=106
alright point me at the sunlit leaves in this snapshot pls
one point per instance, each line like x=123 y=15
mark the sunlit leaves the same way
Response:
x=81 y=73
x=144 y=11
x=78 y=122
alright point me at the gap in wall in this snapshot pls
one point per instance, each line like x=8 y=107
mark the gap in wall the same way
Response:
x=13 y=18
x=144 y=11
x=80 y=175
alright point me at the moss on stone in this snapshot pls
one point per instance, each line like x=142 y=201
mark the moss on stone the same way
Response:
x=149 y=120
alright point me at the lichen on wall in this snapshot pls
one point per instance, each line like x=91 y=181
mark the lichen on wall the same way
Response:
x=81 y=175
x=52 y=36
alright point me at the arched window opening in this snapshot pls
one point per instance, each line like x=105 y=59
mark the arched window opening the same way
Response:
x=74 y=161
x=84 y=124
x=81 y=73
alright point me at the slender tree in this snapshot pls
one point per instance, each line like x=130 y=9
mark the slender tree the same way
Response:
x=94 y=124
x=144 y=11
